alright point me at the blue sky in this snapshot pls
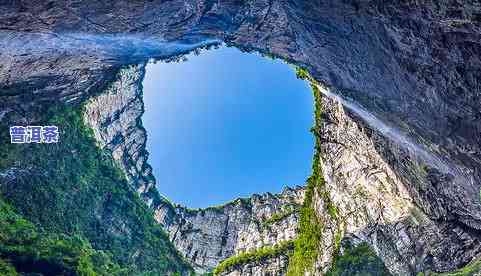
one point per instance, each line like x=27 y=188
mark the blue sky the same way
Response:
x=226 y=124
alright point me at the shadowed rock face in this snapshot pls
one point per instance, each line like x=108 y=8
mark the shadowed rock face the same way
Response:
x=416 y=67
x=372 y=199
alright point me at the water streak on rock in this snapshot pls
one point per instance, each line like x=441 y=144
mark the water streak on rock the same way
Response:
x=397 y=136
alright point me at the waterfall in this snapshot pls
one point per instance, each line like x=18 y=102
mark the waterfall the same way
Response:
x=418 y=150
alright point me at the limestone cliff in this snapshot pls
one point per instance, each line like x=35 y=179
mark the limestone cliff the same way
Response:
x=204 y=236
x=402 y=173
x=372 y=199
x=115 y=117
x=271 y=266
x=208 y=236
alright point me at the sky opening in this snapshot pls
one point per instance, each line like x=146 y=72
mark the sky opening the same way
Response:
x=226 y=124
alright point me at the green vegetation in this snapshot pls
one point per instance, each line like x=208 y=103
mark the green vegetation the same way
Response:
x=279 y=216
x=69 y=208
x=473 y=268
x=358 y=260
x=306 y=246
x=302 y=74
x=246 y=202
x=183 y=55
x=241 y=200
x=480 y=195
x=29 y=250
x=332 y=210
x=7 y=269
x=254 y=256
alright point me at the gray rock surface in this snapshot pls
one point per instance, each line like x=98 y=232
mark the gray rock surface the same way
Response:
x=115 y=116
x=208 y=236
x=204 y=236
x=372 y=198
x=270 y=267
x=414 y=65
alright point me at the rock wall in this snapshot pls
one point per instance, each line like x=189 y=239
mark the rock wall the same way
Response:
x=116 y=120
x=208 y=236
x=365 y=182
x=269 y=267
x=415 y=65
x=204 y=236
x=372 y=199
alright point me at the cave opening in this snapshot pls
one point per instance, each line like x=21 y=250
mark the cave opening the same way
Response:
x=226 y=124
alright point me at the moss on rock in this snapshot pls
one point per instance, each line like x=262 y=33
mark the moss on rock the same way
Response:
x=257 y=255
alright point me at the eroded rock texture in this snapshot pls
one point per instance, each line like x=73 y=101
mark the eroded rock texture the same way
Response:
x=204 y=236
x=413 y=65
x=208 y=236
x=271 y=266
x=115 y=118
x=374 y=204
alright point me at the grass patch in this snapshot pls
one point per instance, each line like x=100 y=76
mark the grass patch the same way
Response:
x=254 y=256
